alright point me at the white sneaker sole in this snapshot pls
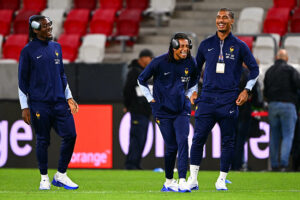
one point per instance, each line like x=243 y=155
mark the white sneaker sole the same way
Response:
x=59 y=184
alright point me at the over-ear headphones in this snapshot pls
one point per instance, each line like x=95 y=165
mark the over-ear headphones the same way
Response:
x=175 y=40
x=35 y=24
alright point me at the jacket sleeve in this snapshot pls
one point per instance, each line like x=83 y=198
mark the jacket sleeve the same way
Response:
x=68 y=93
x=193 y=83
x=251 y=63
x=23 y=76
x=295 y=77
x=147 y=73
x=129 y=88
x=200 y=59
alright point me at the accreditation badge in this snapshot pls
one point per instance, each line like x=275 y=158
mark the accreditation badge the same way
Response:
x=220 y=69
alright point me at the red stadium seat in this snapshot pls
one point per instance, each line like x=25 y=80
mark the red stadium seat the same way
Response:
x=85 y=4
x=295 y=24
x=11 y=4
x=76 y=22
x=103 y=21
x=111 y=4
x=137 y=4
x=291 y=4
x=36 y=5
x=277 y=21
x=13 y=46
x=5 y=21
x=128 y=23
x=247 y=40
x=69 y=44
x=21 y=25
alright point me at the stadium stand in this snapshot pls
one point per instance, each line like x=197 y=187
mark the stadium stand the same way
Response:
x=277 y=38
x=292 y=45
x=248 y=40
x=85 y=4
x=59 y=4
x=13 y=46
x=250 y=20
x=160 y=8
x=1 y=41
x=264 y=49
x=36 y=5
x=295 y=22
x=11 y=4
x=277 y=21
x=262 y=71
x=166 y=6
x=77 y=21
x=57 y=17
x=137 y=4
x=111 y=4
x=290 y=4
x=92 y=49
x=20 y=25
x=69 y=44
x=103 y=21
x=5 y=21
x=128 y=23
x=190 y=16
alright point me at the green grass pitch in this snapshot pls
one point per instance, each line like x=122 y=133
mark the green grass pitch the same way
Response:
x=140 y=185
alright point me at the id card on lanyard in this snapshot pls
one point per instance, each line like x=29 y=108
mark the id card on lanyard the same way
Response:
x=220 y=68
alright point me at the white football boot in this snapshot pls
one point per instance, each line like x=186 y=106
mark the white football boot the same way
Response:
x=183 y=186
x=220 y=184
x=62 y=180
x=45 y=183
x=172 y=187
x=192 y=183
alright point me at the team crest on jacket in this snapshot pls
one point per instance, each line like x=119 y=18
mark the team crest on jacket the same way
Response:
x=230 y=55
x=186 y=71
x=185 y=78
x=38 y=115
x=157 y=121
x=56 y=60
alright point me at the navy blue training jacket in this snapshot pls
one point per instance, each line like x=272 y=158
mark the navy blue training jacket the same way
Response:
x=235 y=52
x=41 y=72
x=171 y=80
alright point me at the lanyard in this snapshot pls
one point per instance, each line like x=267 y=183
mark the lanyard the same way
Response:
x=221 y=58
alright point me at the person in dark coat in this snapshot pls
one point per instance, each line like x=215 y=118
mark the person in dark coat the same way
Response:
x=139 y=109
x=281 y=84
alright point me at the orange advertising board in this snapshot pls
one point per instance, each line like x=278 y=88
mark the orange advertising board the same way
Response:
x=93 y=148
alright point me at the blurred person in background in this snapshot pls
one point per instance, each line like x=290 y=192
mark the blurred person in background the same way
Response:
x=46 y=100
x=281 y=83
x=175 y=78
x=139 y=108
x=220 y=97
x=245 y=121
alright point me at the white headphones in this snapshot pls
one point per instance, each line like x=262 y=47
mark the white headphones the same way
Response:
x=35 y=25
